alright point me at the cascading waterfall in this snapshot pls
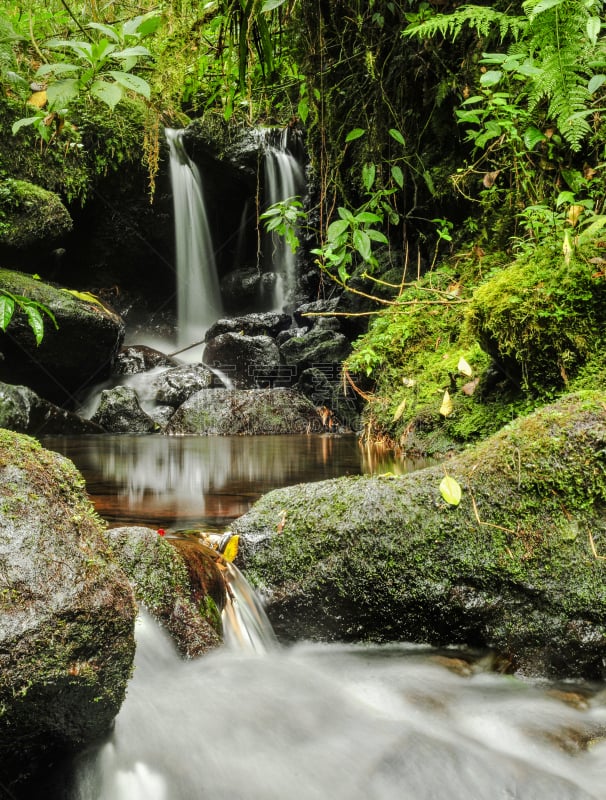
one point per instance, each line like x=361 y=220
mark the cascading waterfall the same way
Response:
x=312 y=722
x=284 y=178
x=198 y=293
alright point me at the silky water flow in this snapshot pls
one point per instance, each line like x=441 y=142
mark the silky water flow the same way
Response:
x=258 y=721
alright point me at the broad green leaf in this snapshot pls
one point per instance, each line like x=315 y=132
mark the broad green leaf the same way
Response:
x=369 y=172
x=397 y=175
x=343 y=273
x=355 y=134
x=132 y=82
x=595 y=83
x=532 y=137
x=346 y=214
x=105 y=29
x=336 y=228
x=128 y=52
x=491 y=78
x=303 y=110
x=21 y=123
x=36 y=323
x=61 y=93
x=429 y=183
x=377 y=236
x=450 y=490
x=56 y=69
x=368 y=216
x=7 y=308
x=395 y=134
x=108 y=93
x=362 y=244
x=149 y=24
x=269 y=5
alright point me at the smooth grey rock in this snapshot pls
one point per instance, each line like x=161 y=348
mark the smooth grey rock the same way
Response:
x=119 y=412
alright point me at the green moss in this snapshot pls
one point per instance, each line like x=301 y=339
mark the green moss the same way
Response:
x=30 y=215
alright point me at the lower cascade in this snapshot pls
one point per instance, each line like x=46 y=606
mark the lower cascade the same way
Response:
x=255 y=721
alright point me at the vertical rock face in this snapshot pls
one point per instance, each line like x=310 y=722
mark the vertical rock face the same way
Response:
x=67 y=613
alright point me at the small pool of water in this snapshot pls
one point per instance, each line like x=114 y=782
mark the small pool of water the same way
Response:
x=177 y=482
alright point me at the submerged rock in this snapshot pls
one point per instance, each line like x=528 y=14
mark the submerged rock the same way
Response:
x=518 y=565
x=23 y=411
x=67 y=613
x=250 y=412
x=178 y=581
x=119 y=412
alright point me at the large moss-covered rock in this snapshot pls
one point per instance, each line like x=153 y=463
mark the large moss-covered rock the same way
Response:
x=512 y=567
x=67 y=613
x=77 y=353
x=23 y=411
x=241 y=411
x=30 y=216
x=178 y=581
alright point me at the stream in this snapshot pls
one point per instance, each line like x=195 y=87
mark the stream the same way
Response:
x=311 y=721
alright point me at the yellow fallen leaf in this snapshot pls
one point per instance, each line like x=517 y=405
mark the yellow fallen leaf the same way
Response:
x=86 y=296
x=230 y=550
x=399 y=411
x=450 y=491
x=37 y=99
x=446 y=407
x=573 y=214
x=464 y=367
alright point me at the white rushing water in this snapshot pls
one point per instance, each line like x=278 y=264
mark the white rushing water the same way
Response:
x=284 y=179
x=198 y=294
x=327 y=722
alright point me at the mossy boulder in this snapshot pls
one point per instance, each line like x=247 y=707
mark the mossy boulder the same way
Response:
x=67 y=613
x=30 y=216
x=519 y=565
x=178 y=581
x=77 y=353
x=21 y=410
x=541 y=318
x=231 y=412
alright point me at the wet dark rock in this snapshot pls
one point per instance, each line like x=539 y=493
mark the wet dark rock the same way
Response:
x=23 y=411
x=268 y=323
x=136 y=358
x=78 y=353
x=284 y=336
x=67 y=614
x=248 y=412
x=248 y=361
x=517 y=566
x=247 y=289
x=304 y=313
x=317 y=346
x=119 y=411
x=179 y=583
x=174 y=386
x=161 y=415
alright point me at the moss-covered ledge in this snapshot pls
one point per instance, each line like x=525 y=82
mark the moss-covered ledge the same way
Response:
x=517 y=566
x=30 y=216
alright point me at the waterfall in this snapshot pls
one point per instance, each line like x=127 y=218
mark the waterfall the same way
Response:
x=312 y=721
x=284 y=178
x=198 y=294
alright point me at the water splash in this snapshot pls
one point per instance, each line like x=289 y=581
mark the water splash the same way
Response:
x=198 y=294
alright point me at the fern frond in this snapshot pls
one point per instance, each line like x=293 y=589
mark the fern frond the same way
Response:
x=481 y=19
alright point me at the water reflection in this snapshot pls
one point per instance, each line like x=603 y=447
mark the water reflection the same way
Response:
x=197 y=481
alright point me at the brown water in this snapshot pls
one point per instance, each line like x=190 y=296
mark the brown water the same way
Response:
x=206 y=482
